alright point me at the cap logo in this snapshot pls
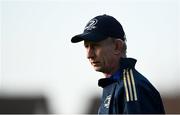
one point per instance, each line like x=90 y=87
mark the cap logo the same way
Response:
x=91 y=24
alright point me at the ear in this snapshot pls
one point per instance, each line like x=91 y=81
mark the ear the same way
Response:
x=118 y=46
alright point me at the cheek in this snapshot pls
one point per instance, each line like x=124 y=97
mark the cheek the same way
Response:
x=105 y=56
x=108 y=59
x=109 y=62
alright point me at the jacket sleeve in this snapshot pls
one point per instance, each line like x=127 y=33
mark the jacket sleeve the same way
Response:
x=147 y=102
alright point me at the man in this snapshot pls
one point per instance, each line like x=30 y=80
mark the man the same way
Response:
x=125 y=90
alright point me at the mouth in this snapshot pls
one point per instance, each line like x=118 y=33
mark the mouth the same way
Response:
x=95 y=63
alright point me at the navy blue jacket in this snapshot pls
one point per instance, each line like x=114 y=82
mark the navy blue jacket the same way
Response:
x=130 y=93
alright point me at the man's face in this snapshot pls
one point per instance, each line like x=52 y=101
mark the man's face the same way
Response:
x=101 y=55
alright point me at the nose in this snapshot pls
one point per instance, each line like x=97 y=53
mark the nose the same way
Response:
x=90 y=53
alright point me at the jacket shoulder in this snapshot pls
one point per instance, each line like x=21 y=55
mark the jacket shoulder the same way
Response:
x=139 y=93
x=135 y=85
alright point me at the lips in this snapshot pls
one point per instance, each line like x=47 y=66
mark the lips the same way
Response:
x=95 y=63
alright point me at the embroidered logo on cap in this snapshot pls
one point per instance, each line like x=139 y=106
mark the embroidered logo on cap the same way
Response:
x=91 y=24
x=107 y=101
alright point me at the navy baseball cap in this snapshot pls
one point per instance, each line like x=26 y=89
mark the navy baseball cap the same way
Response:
x=100 y=28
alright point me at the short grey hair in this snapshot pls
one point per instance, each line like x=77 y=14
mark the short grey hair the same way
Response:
x=124 y=46
x=124 y=49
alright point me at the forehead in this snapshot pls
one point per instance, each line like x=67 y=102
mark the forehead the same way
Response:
x=106 y=41
x=90 y=42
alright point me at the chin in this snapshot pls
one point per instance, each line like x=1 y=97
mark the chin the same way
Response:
x=99 y=69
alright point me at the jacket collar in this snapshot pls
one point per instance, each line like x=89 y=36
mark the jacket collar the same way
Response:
x=124 y=64
x=127 y=63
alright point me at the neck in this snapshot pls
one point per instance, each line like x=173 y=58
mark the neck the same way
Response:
x=109 y=74
x=113 y=67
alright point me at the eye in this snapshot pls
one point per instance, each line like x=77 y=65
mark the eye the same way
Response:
x=86 y=45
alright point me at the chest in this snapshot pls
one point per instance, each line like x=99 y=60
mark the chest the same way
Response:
x=111 y=99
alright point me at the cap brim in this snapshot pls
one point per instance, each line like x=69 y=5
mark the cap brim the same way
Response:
x=94 y=37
